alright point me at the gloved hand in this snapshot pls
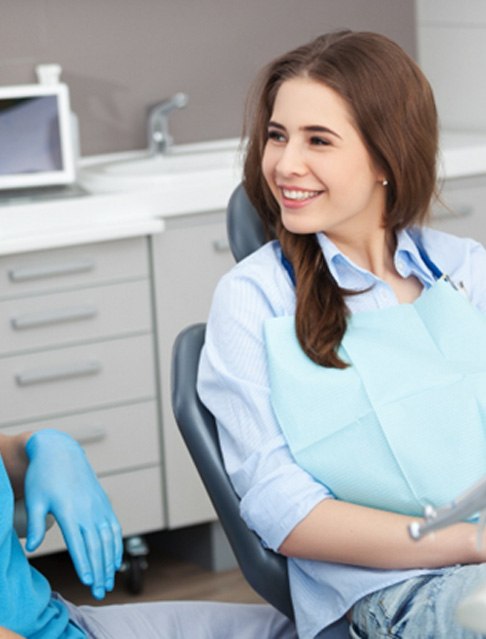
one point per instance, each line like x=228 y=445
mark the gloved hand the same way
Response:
x=60 y=480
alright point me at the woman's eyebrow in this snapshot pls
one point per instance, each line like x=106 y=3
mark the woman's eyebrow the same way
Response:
x=316 y=128
x=311 y=128
x=276 y=125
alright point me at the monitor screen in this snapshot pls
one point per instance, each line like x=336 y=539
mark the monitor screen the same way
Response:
x=35 y=136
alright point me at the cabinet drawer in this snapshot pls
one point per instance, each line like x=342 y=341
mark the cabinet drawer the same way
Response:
x=72 y=267
x=114 y=440
x=54 y=320
x=136 y=498
x=78 y=378
x=183 y=296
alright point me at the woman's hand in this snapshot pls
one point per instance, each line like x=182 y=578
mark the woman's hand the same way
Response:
x=60 y=480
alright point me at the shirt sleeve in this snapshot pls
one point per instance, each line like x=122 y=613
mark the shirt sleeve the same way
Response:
x=275 y=492
x=477 y=276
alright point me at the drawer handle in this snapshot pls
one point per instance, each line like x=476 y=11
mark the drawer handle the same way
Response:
x=221 y=246
x=90 y=435
x=44 y=318
x=41 y=375
x=24 y=274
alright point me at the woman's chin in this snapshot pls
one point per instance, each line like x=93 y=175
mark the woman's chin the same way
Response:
x=298 y=226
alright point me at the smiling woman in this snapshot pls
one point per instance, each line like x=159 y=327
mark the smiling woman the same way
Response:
x=335 y=355
x=337 y=83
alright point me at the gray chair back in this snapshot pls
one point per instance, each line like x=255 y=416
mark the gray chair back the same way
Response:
x=244 y=227
x=265 y=570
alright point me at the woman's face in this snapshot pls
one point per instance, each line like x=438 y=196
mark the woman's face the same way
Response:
x=317 y=166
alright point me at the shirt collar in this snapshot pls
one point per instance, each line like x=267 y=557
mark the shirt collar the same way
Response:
x=408 y=261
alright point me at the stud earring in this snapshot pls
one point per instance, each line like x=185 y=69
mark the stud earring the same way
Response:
x=385 y=182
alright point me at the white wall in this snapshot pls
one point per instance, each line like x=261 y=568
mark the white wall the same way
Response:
x=452 y=53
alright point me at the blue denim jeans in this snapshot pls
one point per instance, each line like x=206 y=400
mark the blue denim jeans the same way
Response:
x=420 y=608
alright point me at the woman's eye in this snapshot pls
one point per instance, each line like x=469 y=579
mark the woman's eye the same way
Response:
x=317 y=141
x=276 y=136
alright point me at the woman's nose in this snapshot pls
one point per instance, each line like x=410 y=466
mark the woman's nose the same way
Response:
x=291 y=161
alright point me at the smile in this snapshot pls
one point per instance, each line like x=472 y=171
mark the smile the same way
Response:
x=299 y=195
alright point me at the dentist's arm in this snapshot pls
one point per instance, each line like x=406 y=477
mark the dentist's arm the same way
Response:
x=8 y=634
x=50 y=470
x=12 y=450
x=60 y=480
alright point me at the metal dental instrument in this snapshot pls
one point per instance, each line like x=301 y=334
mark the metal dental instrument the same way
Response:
x=469 y=503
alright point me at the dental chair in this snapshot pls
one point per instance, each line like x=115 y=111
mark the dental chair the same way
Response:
x=265 y=570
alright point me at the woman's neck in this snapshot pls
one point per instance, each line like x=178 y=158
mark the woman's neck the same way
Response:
x=372 y=251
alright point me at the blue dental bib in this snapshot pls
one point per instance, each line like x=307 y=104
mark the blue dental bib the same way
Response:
x=405 y=424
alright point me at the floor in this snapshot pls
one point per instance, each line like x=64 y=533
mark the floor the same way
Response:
x=165 y=578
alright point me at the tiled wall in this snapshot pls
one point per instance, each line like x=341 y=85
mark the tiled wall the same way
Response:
x=119 y=56
x=452 y=52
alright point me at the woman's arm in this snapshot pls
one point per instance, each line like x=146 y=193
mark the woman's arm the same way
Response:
x=341 y=532
x=12 y=450
x=279 y=500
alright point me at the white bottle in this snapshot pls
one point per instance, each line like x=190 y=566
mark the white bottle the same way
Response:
x=51 y=74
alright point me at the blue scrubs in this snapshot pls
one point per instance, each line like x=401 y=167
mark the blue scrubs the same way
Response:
x=26 y=603
x=28 y=607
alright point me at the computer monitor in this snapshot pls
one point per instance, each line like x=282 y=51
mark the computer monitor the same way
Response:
x=36 y=145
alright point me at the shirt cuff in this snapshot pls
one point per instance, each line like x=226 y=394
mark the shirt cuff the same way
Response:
x=272 y=508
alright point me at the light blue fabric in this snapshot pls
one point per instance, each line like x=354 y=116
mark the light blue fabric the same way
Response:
x=26 y=605
x=183 y=620
x=233 y=383
x=404 y=425
x=420 y=608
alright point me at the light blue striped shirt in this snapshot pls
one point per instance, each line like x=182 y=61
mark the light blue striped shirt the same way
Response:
x=276 y=494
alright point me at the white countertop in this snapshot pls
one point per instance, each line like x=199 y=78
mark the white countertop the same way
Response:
x=28 y=225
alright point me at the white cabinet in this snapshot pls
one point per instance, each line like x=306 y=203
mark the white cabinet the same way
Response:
x=463 y=208
x=77 y=353
x=86 y=342
x=189 y=258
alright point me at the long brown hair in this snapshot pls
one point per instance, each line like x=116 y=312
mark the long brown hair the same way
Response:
x=394 y=111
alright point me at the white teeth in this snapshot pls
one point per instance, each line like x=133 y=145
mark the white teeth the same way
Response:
x=299 y=195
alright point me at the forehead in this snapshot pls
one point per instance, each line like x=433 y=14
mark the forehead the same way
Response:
x=310 y=102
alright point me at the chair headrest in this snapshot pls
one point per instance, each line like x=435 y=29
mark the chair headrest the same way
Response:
x=244 y=227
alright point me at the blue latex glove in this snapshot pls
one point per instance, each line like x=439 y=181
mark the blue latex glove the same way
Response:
x=59 y=480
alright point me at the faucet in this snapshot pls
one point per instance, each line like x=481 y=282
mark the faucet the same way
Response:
x=159 y=138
